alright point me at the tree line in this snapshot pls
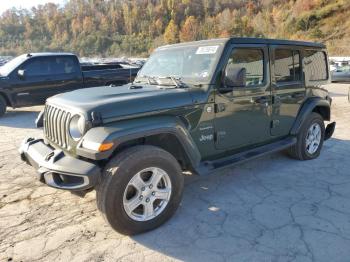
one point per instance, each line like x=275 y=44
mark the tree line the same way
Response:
x=135 y=28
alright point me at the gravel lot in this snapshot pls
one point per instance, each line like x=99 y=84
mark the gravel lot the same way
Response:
x=270 y=209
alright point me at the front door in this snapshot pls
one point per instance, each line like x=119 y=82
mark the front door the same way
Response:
x=242 y=114
x=31 y=88
x=288 y=88
x=45 y=77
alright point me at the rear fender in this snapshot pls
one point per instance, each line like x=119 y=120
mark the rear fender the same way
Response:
x=314 y=104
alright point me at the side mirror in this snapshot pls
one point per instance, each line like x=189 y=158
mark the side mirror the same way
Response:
x=234 y=77
x=21 y=73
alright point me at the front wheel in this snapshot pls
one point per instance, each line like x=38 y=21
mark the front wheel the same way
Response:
x=310 y=138
x=140 y=190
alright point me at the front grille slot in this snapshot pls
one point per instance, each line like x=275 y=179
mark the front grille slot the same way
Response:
x=56 y=122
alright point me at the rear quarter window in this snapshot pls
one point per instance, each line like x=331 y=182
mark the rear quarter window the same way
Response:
x=64 y=65
x=315 y=63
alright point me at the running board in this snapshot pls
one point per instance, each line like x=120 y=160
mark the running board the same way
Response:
x=210 y=166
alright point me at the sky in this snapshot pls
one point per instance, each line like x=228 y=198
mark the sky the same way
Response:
x=7 y=4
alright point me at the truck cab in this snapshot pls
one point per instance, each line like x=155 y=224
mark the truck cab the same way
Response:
x=30 y=79
x=197 y=107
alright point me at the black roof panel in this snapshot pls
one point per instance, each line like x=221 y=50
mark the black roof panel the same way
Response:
x=247 y=40
x=250 y=40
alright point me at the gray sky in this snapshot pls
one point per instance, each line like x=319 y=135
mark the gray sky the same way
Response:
x=7 y=4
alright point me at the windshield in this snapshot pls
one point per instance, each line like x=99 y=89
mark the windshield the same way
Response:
x=188 y=63
x=7 y=68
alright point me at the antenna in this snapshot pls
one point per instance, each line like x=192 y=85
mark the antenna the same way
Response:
x=130 y=29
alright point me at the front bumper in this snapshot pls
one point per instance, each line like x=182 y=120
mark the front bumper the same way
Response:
x=57 y=169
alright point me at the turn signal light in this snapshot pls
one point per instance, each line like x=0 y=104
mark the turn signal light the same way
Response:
x=105 y=147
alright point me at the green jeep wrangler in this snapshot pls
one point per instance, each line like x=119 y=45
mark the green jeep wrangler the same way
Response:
x=197 y=107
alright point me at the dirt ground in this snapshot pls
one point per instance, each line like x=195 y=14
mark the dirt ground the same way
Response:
x=270 y=209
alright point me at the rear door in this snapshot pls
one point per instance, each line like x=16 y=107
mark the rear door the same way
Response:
x=66 y=72
x=288 y=87
x=242 y=116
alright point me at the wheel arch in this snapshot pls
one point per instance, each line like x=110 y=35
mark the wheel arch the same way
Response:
x=168 y=133
x=7 y=99
x=168 y=141
x=314 y=104
x=324 y=111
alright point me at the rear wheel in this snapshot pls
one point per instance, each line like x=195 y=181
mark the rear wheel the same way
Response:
x=2 y=106
x=310 y=139
x=141 y=189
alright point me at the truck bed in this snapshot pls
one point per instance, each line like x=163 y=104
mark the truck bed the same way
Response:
x=99 y=75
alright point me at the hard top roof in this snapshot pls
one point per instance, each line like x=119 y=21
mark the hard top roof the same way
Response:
x=248 y=40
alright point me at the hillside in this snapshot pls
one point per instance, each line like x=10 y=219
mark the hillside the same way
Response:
x=115 y=28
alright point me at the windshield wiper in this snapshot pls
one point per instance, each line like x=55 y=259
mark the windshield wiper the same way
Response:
x=153 y=80
x=176 y=80
x=150 y=79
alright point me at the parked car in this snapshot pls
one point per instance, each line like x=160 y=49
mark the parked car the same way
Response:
x=198 y=107
x=30 y=79
x=341 y=74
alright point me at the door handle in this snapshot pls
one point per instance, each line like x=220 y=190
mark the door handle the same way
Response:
x=276 y=99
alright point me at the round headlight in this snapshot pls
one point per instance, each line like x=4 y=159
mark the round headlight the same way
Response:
x=77 y=127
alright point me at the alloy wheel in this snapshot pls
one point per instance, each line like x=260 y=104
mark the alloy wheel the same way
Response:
x=313 y=138
x=147 y=194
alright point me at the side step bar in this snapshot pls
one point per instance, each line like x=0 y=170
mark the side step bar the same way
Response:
x=210 y=166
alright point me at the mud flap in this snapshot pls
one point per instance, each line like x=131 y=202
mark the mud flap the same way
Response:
x=329 y=131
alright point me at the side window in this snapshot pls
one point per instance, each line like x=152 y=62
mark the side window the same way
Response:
x=38 y=67
x=252 y=60
x=315 y=65
x=287 y=65
x=64 y=65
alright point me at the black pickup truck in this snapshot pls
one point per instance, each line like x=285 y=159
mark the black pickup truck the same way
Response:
x=31 y=78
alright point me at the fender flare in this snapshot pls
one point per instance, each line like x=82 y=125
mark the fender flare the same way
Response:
x=308 y=106
x=7 y=98
x=128 y=130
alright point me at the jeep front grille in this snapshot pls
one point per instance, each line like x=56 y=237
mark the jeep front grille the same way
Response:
x=56 y=123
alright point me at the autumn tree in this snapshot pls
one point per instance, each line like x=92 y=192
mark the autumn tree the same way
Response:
x=190 y=30
x=118 y=28
x=171 y=34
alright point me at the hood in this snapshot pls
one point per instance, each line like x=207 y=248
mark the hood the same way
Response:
x=119 y=101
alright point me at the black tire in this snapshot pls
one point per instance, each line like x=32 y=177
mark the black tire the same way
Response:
x=299 y=151
x=2 y=106
x=118 y=173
